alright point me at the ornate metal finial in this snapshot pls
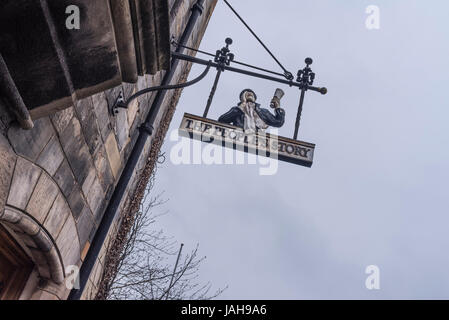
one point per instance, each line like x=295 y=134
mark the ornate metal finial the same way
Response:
x=306 y=78
x=223 y=57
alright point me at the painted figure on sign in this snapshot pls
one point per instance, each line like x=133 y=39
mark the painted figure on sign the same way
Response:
x=249 y=116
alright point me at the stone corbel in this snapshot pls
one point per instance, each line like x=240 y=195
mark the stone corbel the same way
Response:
x=12 y=99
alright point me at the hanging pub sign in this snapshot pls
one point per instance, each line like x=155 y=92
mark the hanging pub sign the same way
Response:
x=211 y=131
x=243 y=128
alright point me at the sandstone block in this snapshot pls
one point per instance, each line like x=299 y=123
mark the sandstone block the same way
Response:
x=64 y=178
x=42 y=198
x=57 y=216
x=24 y=180
x=68 y=243
x=7 y=160
x=30 y=143
x=113 y=155
x=51 y=157
x=76 y=149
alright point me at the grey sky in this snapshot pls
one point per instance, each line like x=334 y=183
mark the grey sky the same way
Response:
x=377 y=192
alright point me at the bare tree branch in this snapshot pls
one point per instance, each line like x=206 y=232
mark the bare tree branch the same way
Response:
x=139 y=264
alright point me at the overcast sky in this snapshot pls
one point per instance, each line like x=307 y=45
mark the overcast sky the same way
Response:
x=377 y=193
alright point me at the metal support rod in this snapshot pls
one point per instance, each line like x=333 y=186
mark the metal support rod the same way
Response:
x=287 y=74
x=223 y=57
x=248 y=73
x=298 y=115
x=212 y=93
x=125 y=104
x=306 y=78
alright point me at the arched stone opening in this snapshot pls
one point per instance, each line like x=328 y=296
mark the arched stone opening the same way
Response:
x=38 y=243
x=15 y=266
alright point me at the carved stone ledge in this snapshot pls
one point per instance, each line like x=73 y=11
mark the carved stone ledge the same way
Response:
x=44 y=252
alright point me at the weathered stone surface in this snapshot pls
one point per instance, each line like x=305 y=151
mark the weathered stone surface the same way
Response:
x=28 y=241
x=84 y=226
x=112 y=95
x=62 y=118
x=76 y=202
x=42 y=198
x=30 y=143
x=102 y=254
x=7 y=163
x=51 y=157
x=57 y=216
x=37 y=240
x=76 y=149
x=97 y=271
x=122 y=129
x=102 y=113
x=91 y=55
x=23 y=183
x=125 y=39
x=103 y=169
x=64 y=178
x=84 y=108
x=88 y=122
x=42 y=241
x=113 y=155
x=95 y=197
x=141 y=84
x=43 y=295
x=59 y=290
x=128 y=89
x=92 y=232
x=147 y=99
x=6 y=118
x=40 y=261
x=85 y=250
x=89 y=291
x=91 y=131
x=30 y=54
x=55 y=264
x=129 y=147
x=12 y=227
x=12 y=216
x=28 y=225
x=88 y=181
x=134 y=125
x=151 y=35
x=68 y=243
x=101 y=209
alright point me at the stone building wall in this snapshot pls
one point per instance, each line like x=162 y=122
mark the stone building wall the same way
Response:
x=57 y=179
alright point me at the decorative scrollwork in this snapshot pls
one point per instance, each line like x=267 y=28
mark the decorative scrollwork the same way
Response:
x=223 y=56
x=306 y=76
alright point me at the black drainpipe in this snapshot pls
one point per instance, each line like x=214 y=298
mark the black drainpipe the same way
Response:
x=146 y=130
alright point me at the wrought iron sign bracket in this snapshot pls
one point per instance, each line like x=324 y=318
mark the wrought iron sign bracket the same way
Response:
x=290 y=83
x=120 y=102
x=222 y=62
x=304 y=80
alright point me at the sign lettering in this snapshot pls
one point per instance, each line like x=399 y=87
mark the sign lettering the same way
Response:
x=266 y=144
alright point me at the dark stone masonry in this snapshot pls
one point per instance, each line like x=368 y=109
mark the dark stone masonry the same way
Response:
x=57 y=178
